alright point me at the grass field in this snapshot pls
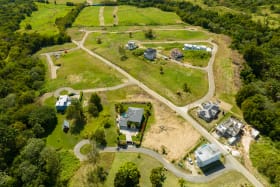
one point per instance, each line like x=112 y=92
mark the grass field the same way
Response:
x=112 y=161
x=43 y=20
x=196 y=58
x=226 y=76
x=108 y=15
x=88 y=17
x=145 y=164
x=146 y=16
x=166 y=84
x=80 y=71
x=53 y=48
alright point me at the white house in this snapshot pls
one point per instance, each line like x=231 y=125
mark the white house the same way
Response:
x=207 y=154
x=196 y=47
x=62 y=103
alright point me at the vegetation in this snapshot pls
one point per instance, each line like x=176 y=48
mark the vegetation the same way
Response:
x=94 y=105
x=127 y=175
x=259 y=45
x=157 y=176
x=265 y=156
x=90 y=73
x=146 y=16
x=43 y=20
x=89 y=17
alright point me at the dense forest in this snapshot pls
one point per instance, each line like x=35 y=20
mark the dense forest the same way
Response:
x=244 y=5
x=260 y=45
x=24 y=158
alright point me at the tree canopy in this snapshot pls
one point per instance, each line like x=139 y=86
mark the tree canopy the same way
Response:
x=127 y=175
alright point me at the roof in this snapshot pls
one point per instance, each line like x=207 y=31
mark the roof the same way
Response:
x=209 y=111
x=230 y=127
x=255 y=133
x=63 y=100
x=150 y=50
x=135 y=114
x=207 y=152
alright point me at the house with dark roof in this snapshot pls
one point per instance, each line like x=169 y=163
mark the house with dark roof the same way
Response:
x=209 y=111
x=176 y=54
x=133 y=117
x=150 y=54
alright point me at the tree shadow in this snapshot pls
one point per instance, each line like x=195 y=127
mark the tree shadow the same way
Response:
x=77 y=126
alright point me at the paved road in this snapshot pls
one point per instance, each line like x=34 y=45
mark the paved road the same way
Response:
x=56 y=93
x=183 y=110
x=169 y=166
x=77 y=149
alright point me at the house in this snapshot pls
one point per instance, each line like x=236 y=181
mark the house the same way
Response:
x=229 y=128
x=133 y=117
x=66 y=126
x=150 y=54
x=209 y=111
x=176 y=54
x=131 y=45
x=196 y=47
x=62 y=103
x=207 y=154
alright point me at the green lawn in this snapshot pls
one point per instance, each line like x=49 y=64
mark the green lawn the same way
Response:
x=53 y=48
x=89 y=17
x=80 y=71
x=108 y=15
x=145 y=164
x=196 y=58
x=146 y=16
x=167 y=84
x=43 y=20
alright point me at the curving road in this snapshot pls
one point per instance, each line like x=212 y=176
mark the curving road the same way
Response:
x=166 y=164
x=183 y=110
x=231 y=162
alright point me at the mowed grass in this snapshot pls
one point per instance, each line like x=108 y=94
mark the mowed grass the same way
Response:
x=43 y=20
x=196 y=58
x=167 y=84
x=89 y=17
x=144 y=164
x=108 y=15
x=79 y=70
x=129 y=15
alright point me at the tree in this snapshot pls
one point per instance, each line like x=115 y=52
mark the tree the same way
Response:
x=127 y=175
x=28 y=27
x=98 y=41
x=93 y=155
x=182 y=182
x=161 y=70
x=97 y=175
x=100 y=137
x=95 y=99
x=75 y=112
x=92 y=109
x=149 y=34
x=122 y=52
x=157 y=176
x=186 y=88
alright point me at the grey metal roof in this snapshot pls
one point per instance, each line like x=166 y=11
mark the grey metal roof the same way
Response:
x=135 y=114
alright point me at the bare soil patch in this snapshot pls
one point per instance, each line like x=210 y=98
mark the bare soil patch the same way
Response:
x=168 y=131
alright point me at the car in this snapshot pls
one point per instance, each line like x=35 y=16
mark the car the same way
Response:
x=190 y=160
